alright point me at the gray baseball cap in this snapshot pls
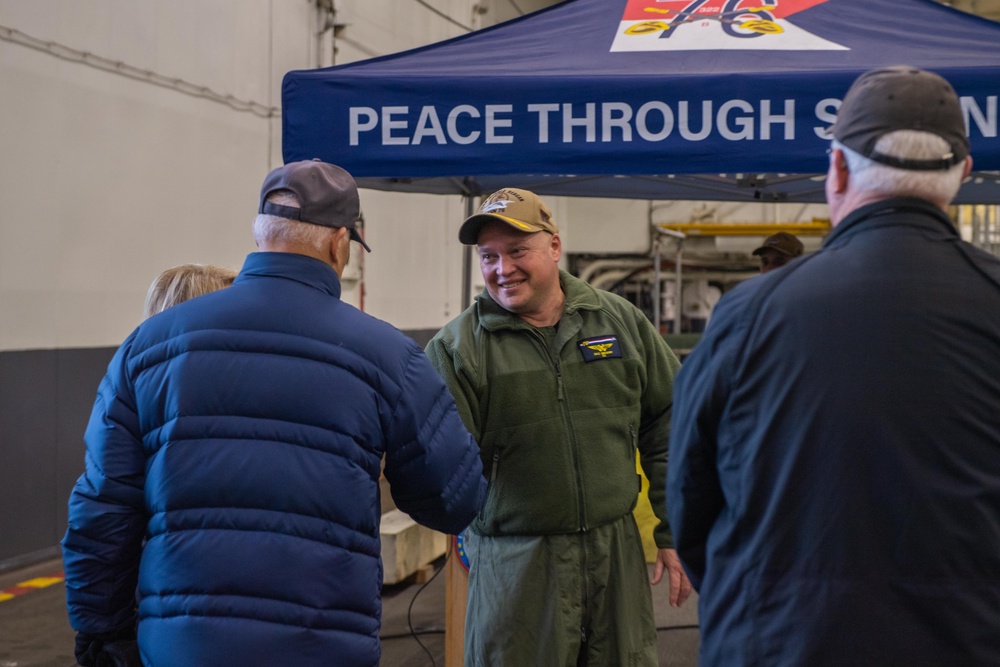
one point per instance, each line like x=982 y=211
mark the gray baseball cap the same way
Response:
x=327 y=194
x=901 y=98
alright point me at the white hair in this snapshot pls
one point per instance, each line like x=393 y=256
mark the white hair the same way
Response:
x=270 y=229
x=940 y=185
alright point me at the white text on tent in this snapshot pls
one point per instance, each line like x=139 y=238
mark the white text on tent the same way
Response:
x=652 y=121
x=617 y=121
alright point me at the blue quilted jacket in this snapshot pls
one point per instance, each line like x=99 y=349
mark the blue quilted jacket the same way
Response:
x=232 y=474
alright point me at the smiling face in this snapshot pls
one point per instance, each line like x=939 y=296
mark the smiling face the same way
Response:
x=522 y=272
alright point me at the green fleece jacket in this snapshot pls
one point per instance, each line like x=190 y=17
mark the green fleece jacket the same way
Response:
x=560 y=413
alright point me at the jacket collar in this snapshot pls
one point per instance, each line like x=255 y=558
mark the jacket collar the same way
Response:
x=579 y=296
x=300 y=268
x=921 y=212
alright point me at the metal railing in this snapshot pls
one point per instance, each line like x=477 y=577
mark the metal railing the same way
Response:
x=984 y=222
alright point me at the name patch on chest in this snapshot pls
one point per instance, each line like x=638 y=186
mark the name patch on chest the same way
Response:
x=600 y=348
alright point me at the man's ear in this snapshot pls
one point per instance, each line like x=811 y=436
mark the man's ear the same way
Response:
x=838 y=170
x=968 y=167
x=337 y=238
x=556 y=246
x=338 y=258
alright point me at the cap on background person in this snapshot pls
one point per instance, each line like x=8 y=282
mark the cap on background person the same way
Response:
x=327 y=194
x=901 y=98
x=521 y=209
x=782 y=242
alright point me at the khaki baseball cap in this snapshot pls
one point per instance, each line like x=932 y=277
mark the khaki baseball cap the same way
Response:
x=521 y=209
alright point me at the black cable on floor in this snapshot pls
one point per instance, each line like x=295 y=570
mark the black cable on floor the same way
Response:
x=409 y=609
x=409 y=635
x=664 y=628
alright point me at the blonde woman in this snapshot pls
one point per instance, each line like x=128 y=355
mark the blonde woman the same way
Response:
x=184 y=282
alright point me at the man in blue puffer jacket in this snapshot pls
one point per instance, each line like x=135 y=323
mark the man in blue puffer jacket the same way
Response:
x=230 y=507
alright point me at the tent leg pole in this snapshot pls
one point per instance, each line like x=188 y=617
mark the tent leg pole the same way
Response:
x=679 y=270
x=657 y=284
x=467 y=258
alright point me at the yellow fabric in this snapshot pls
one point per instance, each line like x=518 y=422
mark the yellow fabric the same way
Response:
x=644 y=516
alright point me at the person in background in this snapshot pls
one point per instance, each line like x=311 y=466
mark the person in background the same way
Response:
x=777 y=250
x=233 y=458
x=561 y=385
x=180 y=283
x=834 y=479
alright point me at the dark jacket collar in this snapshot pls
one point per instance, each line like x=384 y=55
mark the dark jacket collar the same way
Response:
x=920 y=213
x=300 y=268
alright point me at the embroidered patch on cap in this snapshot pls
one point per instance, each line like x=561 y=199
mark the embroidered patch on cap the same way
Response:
x=601 y=347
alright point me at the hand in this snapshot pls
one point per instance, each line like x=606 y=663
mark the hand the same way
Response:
x=105 y=651
x=680 y=585
x=123 y=653
x=87 y=649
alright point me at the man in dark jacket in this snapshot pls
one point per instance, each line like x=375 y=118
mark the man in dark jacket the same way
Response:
x=834 y=480
x=230 y=504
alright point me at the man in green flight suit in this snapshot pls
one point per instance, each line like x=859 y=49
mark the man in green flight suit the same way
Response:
x=561 y=384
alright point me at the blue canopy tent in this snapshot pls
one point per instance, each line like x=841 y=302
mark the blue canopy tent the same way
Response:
x=649 y=99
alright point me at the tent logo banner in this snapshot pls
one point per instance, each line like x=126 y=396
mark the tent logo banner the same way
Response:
x=713 y=25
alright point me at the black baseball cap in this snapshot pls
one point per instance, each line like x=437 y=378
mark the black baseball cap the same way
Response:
x=327 y=194
x=783 y=242
x=901 y=98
